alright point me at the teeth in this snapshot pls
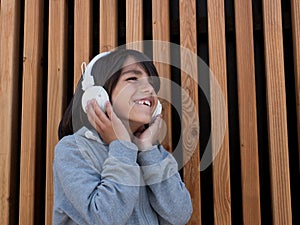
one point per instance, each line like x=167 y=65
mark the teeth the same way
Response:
x=147 y=103
x=144 y=102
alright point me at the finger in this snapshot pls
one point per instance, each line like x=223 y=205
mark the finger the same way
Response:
x=109 y=110
x=155 y=128
x=96 y=117
x=156 y=124
x=160 y=121
x=112 y=116
x=100 y=114
x=162 y=130
x=91 y=115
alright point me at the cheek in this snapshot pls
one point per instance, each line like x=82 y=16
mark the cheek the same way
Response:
x=118 y=107
x=122 y=100
x=121 y=107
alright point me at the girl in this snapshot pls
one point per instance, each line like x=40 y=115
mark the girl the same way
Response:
x=108 y=165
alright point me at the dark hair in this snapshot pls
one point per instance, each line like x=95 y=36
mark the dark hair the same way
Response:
x=106 y=72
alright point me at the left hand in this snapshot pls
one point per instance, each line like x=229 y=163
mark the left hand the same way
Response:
x=145 y=139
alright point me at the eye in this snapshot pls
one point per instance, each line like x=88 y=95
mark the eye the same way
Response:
x=131 y=78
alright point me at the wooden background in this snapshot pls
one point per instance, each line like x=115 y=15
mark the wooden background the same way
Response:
x=251 y=46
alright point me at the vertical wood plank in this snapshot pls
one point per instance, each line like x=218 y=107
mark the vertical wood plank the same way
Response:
x=188 y=40
x=108 y=25
x=9 y=91
x=82 y=36
x=134 y=24
x=57 y=52
x=31 y=108
x=276 y=109
x=161 y=53
x=295 y=11
x=217 y=64
x=247 y=112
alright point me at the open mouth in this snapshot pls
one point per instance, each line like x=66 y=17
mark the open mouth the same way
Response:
x=145 y=101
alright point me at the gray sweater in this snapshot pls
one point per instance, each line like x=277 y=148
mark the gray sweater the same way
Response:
x=95 y=183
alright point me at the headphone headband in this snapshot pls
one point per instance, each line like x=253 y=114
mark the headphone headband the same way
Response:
x=88 y=79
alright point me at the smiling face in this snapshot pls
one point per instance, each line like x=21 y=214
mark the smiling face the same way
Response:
x=133 y=98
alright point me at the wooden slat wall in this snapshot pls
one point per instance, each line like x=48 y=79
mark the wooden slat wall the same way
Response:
x=189 y=74
x=9 y=91
x=57 y=69
x=161 y=56
x=82 y=36
x=134 y=24
x=295 y=8
x=43 y=45
x=108 y=25
x=31 y=117
x=276 y=108
x=217 y=63
x=247 y=112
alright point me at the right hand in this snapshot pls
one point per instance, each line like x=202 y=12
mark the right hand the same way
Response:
x=109 y=126
x=145 y=139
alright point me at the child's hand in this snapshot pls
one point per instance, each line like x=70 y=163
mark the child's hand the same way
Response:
x=145 y=139
x=109 y=126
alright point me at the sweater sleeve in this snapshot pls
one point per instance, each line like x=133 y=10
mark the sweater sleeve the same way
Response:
x=94 y=198
x=167 y=193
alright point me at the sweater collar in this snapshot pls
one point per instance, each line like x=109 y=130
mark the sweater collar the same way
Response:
x=90 y=134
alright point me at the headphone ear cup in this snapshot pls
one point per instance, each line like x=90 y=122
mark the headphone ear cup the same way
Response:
x=95 y=92
x=157 y=111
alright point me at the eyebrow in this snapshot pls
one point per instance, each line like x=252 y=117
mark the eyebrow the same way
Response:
x=135 y=71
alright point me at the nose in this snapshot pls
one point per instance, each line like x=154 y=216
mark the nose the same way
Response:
x=145 y=86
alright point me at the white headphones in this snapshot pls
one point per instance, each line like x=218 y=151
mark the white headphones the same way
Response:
x=98 y=92
x=90 y=91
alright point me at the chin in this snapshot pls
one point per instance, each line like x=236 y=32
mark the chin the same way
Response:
x=145 y=121
x=141 y=118
x=137 y=124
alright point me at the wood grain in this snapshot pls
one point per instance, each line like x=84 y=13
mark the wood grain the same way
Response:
x=161 y=53
x=82 y=36
x=247 y=112
x=276 y=109
x=56 y=97
x=22 y=118
x=295 y=11
x=189 y=77
x=134 y=24
x=217 y=64
x=108 y=25
x=9 y=92
x=31 y=109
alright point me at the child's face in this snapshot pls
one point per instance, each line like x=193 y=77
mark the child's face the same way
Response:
x=134 y=98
